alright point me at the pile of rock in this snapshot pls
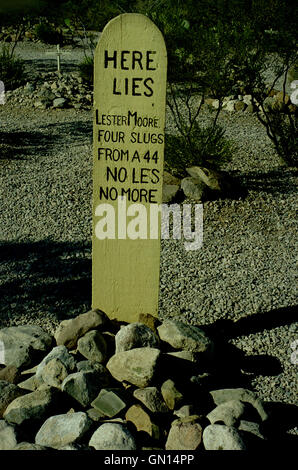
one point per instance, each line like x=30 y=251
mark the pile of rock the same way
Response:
x=53 y=90
x=201 y=185
x=112 y=386
x=277 y=100
x=68 y=90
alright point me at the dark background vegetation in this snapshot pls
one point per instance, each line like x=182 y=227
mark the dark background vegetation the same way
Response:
x=216 y=49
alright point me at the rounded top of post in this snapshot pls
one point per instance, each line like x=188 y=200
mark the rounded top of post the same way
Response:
x=133 y=26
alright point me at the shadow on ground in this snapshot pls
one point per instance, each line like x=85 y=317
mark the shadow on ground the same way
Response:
x=21 y=144
x=272 y=182
x=44 y=277
x=35 y=66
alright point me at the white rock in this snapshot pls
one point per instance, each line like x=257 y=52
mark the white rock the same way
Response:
x=8 y=438
x=135 y=335
x=112 y=436
x=62 y=430
x=221 y=437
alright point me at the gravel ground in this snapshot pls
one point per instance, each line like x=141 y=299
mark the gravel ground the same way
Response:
x=244 y=274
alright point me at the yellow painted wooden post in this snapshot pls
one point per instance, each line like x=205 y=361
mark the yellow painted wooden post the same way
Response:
x=128 y=134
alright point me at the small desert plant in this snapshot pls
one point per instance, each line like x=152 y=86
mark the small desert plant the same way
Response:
x=12 y=71
x=86 y=70
x=205 y=147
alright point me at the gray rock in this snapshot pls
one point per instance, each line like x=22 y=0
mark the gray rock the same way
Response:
x=169 y=191
x=10 y=374
x=249 y=108
x=28 y=446
x=21 y=342
x=82 y=386
x=69 y=331
x=41 y=104
x=247 y=99
x=137 y=366
x=240 y=394
x=221 y=437
x=93 y=346
x=230 y=105
x=102 y=372
x=185 y=434
x=8 y=393
x=109 y=402
x=31 y=384
x=29 y=88
x=152 y=399
x=33 y=406
x=170 y=394
x=182 y=336
x=8 y=437
x=61 y=430
x=142 y=421
x=53 y=373
x=251 y=427
x=112 y=436
x=193 y=188
x=62 y=363
x=210 y=178
x=184 y=411
x=94 y=414
x=59 y=103
x=185 y=355
x=228 y=412
x=135 y=335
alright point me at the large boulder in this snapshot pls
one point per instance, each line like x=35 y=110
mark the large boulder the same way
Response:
x=182 y=336
x=185 y=434
x=61 y=430
x=228 y=412
x=142 y=421
x=193 y=188
x=214 y=180
x=109 y=402
x=112 y=436
x=221 y=437
x=152 y=398
x=239 y=394
x=8 y=437
x=69 y=331
x=135 y=335
x=33 y=406
x=137 y=366
x=93 y=346
x=56 y=366
x=8 y=393
x=83 y=386
x=22 y=344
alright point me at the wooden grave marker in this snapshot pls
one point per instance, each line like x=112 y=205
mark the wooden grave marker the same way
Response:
x=59 y=53
x=128 y=134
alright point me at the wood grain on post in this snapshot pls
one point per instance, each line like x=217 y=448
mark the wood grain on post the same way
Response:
x=128 y=135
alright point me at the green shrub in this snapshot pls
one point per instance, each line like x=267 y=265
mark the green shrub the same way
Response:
x=47 y=34
x=205 y=147
x=12 y=70
x=86 y=70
